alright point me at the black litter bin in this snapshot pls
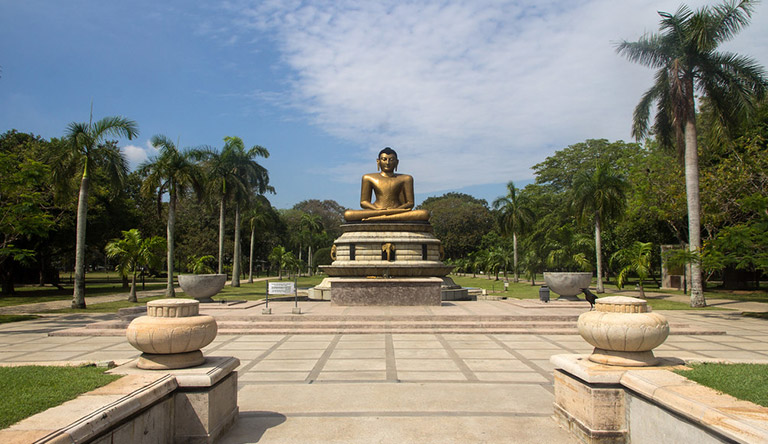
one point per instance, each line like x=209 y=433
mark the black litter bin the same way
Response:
x=544 y=293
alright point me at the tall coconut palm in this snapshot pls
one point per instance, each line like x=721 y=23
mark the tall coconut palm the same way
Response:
x=257 y=218
x=281 y=258
x=685 y=54
x=133 y=252
x=310 y=224
x=173 y=172
x=515 y=216
x=86 y=150
x=597 y=196
x=234 y=174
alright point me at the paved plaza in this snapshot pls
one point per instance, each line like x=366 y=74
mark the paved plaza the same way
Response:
x=391 y=387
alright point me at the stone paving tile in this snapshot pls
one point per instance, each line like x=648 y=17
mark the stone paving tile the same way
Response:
x=237 y=346
x=45 y=357
x=540 y=354
x=425 y=365
x=285 y=364
x=296 y=354
x=305 y=345
x=270 y=339
x=430 y=376
x=108 y=355
x=491 y=365
x=472 y=345
x=354 y=365
x=404 y=353
x=344 y=376
x=417 y=344
x=469 y=353
x=517 y=377
x=283 y=376
x=359 y=345
x=364 y=353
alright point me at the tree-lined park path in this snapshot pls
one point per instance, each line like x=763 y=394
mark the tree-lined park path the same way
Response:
x=39 y=307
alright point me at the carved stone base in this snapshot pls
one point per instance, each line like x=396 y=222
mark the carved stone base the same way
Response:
x=379 y=291
x=623 y=358
x=149 y=361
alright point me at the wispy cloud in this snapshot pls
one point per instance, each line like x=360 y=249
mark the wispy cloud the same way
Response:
x=470 y=92
x=136 y=154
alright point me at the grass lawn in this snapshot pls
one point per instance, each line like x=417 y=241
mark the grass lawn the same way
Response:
x=27 y=390
x=744 y=381
x=4 y=319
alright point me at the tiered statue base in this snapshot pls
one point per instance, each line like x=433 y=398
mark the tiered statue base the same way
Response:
x=385 y=263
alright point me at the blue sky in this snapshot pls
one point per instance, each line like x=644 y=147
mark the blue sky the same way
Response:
x=470 y=93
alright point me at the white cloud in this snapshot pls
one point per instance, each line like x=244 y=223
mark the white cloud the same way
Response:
x=469 y=92
x=136 y=154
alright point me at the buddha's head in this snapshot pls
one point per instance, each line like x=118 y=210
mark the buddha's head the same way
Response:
x=387 y=160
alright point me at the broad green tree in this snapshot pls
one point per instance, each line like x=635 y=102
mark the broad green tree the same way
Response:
x=86 y=150
x=685 y=54
x=173 y=172
x=598 y=196
x=134 y=252
x=515 y=216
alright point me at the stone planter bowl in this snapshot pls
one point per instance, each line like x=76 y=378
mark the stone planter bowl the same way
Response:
x=623 y=331
x=172 y=334
x=568 y=284
x=202 y=286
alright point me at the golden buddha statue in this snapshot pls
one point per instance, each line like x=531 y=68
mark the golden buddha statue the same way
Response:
x=394 y=194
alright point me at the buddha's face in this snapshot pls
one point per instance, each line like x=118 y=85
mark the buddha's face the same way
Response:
x=387 y=162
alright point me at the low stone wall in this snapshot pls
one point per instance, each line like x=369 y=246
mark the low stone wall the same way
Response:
x=193 y=405
x=609 y=404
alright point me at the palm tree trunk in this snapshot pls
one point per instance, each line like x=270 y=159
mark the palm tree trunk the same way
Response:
x=78 y=298
x=169 y=291
x=514 y=255
x=132 y=295
x=237 y=253
x=309 y=260
x=599 y=255
x=250 y=257
x=221 y=236
x=694 y=207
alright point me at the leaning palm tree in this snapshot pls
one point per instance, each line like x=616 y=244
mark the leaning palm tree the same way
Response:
x=685 y=54
x=133 y=252
x=173 y=172
x=233 y=174
x=87 y=149
x=515 y=216
x=597 y=196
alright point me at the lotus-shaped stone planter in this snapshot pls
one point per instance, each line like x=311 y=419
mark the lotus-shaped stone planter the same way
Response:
x=623 y=331
x=568 y=284
x=202 y=286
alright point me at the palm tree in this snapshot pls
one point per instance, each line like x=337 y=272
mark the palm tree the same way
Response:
x=233 y=174
x=173 y=172
x=86 y=149
x=133 y=252
x=257 y=218
x=597 y=196
x=281 y=258
x=515 y=217
x=634 y=259
x=310 y=224
x=684 y=52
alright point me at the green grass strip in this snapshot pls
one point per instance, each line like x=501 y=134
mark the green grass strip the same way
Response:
x=4 y=319
x=31 y=389
x=743 y=381
x=756 y=314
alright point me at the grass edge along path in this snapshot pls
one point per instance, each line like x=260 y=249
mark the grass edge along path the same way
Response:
x=30 y=389
x=748 y=382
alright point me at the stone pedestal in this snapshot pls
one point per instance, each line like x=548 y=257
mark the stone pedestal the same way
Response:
x=380 y=291
x=205 y=402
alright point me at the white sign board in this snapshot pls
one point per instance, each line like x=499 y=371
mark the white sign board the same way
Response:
x=281 y=288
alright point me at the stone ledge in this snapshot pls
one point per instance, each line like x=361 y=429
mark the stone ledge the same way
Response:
x=97 y=410
x=736 y=419
x=205 y=375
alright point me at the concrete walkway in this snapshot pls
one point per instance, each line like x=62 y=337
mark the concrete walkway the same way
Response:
x=390 y=387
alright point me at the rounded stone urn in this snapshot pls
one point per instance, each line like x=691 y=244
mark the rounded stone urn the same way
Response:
x=623 y=331
x=568 y=284
x=171 y=335
x=202 y=286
